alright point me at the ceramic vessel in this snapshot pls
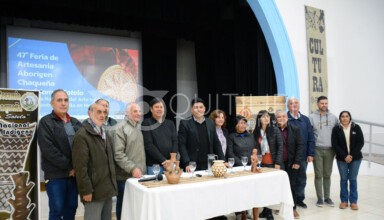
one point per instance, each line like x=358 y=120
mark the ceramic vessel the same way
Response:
x=218 y=168
x=172 y=171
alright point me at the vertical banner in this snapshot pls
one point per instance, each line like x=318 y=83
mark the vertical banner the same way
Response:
x=317 y=55
x=18 y=154
x=249 y=107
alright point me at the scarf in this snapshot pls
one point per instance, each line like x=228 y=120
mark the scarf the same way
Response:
x=264 y=143
x=98 y=130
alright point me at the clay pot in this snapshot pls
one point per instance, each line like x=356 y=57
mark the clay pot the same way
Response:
x=173 y=171
x=218 y=168
x=172 y=177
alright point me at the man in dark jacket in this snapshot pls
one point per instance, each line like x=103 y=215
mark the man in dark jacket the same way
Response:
x=55 y=137
x=198 y=138
x=93 y=162
x=295 y=117
x=160 y=137
x=292 y=152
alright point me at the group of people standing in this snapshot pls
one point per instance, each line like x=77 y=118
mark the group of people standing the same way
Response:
x=94 y=158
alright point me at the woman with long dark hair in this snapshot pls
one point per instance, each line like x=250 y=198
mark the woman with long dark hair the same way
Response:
x=270 y=142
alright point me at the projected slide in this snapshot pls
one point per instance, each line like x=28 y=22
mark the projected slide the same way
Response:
x=86 y=71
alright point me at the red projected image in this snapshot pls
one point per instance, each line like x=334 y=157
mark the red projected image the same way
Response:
x=112 y=71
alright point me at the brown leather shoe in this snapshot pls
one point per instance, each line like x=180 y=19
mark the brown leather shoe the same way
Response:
x=354 y=206
x=296 y=214
x=343 y=205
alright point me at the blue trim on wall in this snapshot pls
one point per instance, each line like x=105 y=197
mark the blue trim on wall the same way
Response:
x=279 y=45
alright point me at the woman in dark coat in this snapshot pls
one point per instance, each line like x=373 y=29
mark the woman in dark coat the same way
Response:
x=270 y=142
x=347 y=141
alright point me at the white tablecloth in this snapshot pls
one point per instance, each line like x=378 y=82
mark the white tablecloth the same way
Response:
x=207 y=199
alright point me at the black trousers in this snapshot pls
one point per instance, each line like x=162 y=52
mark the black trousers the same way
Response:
x=292 y=174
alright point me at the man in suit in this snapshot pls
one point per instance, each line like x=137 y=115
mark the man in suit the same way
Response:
x=198 y=138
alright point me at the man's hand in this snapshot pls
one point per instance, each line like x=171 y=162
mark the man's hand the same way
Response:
x=296 y=166
x=166 y=163
x=277 y=166
x=309 y=159
x=136 y=172
x=87 y=198
x=72 y=173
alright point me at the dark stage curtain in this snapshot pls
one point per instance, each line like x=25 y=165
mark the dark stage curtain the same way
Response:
x=232 y=56
x=234 y=59
x=159 y=70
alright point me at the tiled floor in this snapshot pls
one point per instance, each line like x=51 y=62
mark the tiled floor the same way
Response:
x=370 y=188
x=371 y=199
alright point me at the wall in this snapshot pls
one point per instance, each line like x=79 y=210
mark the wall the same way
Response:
x=354 y=32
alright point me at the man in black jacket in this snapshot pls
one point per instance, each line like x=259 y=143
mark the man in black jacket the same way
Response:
x=292 y=152
x=160 y=137
x=55 y=137
x=198 y=138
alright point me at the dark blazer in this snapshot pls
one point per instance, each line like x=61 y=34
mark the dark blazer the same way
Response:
x=307 y=135
x=275 y=142
x=111 y=121
x=189 y=143
x=295 y=145
x=339 y=144
x=226 y=135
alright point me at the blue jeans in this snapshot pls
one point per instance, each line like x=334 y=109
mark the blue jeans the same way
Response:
x=301 y=181
x=150 y=170
x=120 y=197
x=348 y=172
x=63 y=196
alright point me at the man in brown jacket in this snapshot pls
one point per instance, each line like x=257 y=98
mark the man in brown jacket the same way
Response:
x=92 y=157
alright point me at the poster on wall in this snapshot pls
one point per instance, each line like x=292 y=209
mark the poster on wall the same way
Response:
x=317 y=55
x=249 y=107
x=18 y=160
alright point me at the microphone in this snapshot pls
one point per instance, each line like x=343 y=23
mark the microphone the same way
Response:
x=158 y=177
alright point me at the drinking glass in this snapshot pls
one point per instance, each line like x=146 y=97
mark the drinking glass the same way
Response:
x=192 y=167
x=259 y=158
x=156 y=170
x=231 y=162
x=244 y=161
